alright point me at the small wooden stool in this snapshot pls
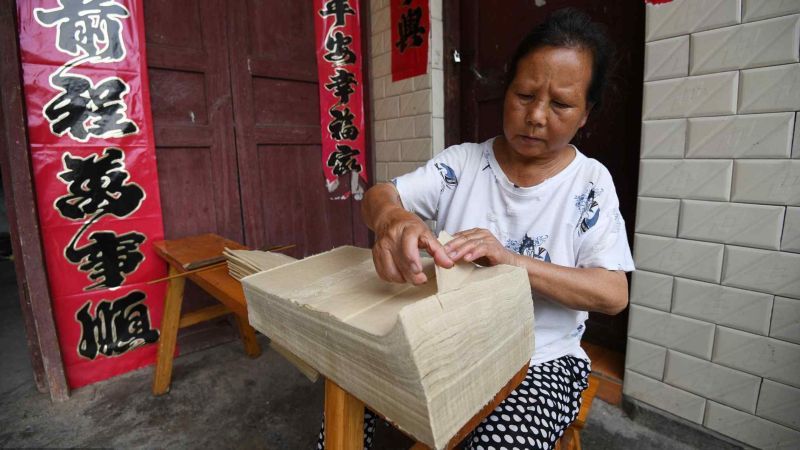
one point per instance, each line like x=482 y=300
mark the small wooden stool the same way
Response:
x=183 y=255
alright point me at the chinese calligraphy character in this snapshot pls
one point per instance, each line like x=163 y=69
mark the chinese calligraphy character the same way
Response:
x=338 y=50
x=338 y=8
x=117 y=326
x=341 y=85
x=97 y=186
x=341 y=127
x=343 y=160
x=83 y=109
x=91 y=28
x=409 y=28
x=108 y=258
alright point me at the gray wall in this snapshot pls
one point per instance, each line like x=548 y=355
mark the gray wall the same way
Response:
x=714 y=328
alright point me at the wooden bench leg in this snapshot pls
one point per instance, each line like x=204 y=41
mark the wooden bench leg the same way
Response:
x=248 y=335
x=169 y=333
x=344 y=419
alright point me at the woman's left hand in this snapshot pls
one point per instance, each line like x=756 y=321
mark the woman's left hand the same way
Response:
x=479 y=245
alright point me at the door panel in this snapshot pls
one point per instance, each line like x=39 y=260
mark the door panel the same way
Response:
x=193 y=117
x=319 y=224
x=489 y=33
x=276 y=103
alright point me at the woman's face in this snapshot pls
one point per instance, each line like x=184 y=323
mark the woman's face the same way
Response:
x=546 y=103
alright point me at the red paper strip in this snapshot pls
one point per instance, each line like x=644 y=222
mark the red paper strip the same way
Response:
x=341 y=99
x=411 y=26
x=93 y=155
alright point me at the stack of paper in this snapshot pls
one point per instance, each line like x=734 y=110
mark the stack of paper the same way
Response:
x=242 y=263
x=427 y=359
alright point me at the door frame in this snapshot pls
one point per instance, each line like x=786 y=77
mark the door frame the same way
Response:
x=34 y=293
x=451 y=19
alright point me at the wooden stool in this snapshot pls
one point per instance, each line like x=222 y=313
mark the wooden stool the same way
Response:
x=183 y=255
x=344 y=416
x=571 y=440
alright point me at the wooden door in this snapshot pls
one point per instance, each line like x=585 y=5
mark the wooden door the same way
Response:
x=486 y=34
x=187 y=59
x=236 y=116
x=276 y=105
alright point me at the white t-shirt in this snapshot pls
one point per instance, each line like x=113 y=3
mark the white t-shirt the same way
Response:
x=571 y=219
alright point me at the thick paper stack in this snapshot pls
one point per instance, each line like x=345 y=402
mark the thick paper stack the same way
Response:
x=242 y=263
x=426 y=360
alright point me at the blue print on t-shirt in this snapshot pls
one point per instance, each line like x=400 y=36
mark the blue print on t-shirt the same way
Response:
x=448 y=175
x=588 y=208
x=530 y=247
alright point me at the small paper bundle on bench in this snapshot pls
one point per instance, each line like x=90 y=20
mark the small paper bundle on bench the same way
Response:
x=427 y=361
x=242 y=263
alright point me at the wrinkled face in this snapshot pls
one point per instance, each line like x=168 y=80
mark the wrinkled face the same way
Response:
x=546 y=103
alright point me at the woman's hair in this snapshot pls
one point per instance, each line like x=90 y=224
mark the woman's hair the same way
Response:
x=569 y=27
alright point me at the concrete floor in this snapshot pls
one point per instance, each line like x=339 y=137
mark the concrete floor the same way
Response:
x=219 y=399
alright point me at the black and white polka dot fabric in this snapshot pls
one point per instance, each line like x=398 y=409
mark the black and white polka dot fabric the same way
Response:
x=533 y=416
x=536 y=414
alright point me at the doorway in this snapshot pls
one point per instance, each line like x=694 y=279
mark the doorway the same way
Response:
x=485 y=35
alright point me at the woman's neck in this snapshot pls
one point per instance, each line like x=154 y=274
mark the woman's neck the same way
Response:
x=527 y=172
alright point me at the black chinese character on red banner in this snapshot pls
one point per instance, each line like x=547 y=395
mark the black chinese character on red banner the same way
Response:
x=97 y=186
x=338 y=51
x=341 y=126
x=342 y=85
x=338 y=8
x=85 y=110
x=109 y=257
x=118 y=326
x=343 y=160
x=409 y=28
x=90 y=28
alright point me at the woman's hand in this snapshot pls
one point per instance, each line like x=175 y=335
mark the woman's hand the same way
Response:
x=479 y=245
x=399 y=235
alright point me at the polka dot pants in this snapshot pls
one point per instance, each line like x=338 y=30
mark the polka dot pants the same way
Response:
x=533 y=416
x=536 y=414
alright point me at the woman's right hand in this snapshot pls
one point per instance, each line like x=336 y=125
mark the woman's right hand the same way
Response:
x=399 y=235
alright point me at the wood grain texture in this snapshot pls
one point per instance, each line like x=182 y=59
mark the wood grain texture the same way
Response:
x=344 y=419
x=23 y=221
x=426 y=361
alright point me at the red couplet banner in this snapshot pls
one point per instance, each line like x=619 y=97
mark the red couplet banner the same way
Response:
x=341 y=96
x=411 y=26
x=94 y=163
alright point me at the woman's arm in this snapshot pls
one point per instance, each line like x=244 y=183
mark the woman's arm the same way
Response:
x=585 y=289
x=399 y=235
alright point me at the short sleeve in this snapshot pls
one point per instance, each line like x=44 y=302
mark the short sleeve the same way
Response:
x=425 y=189
x=604 y=242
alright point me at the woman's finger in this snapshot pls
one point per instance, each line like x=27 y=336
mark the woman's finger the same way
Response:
x=436 y=250
x=407 y=257
x=467 y=247
x=385 y=266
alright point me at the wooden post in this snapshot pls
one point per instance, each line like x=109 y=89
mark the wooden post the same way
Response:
x=344 y=419
x=169 y=333
x=248 y=336
x=22 y=219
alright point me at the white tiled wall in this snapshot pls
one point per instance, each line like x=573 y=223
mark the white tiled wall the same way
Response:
x=409 y=114
x=714 y=331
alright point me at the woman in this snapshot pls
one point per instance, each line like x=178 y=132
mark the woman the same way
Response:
x=527 y=198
